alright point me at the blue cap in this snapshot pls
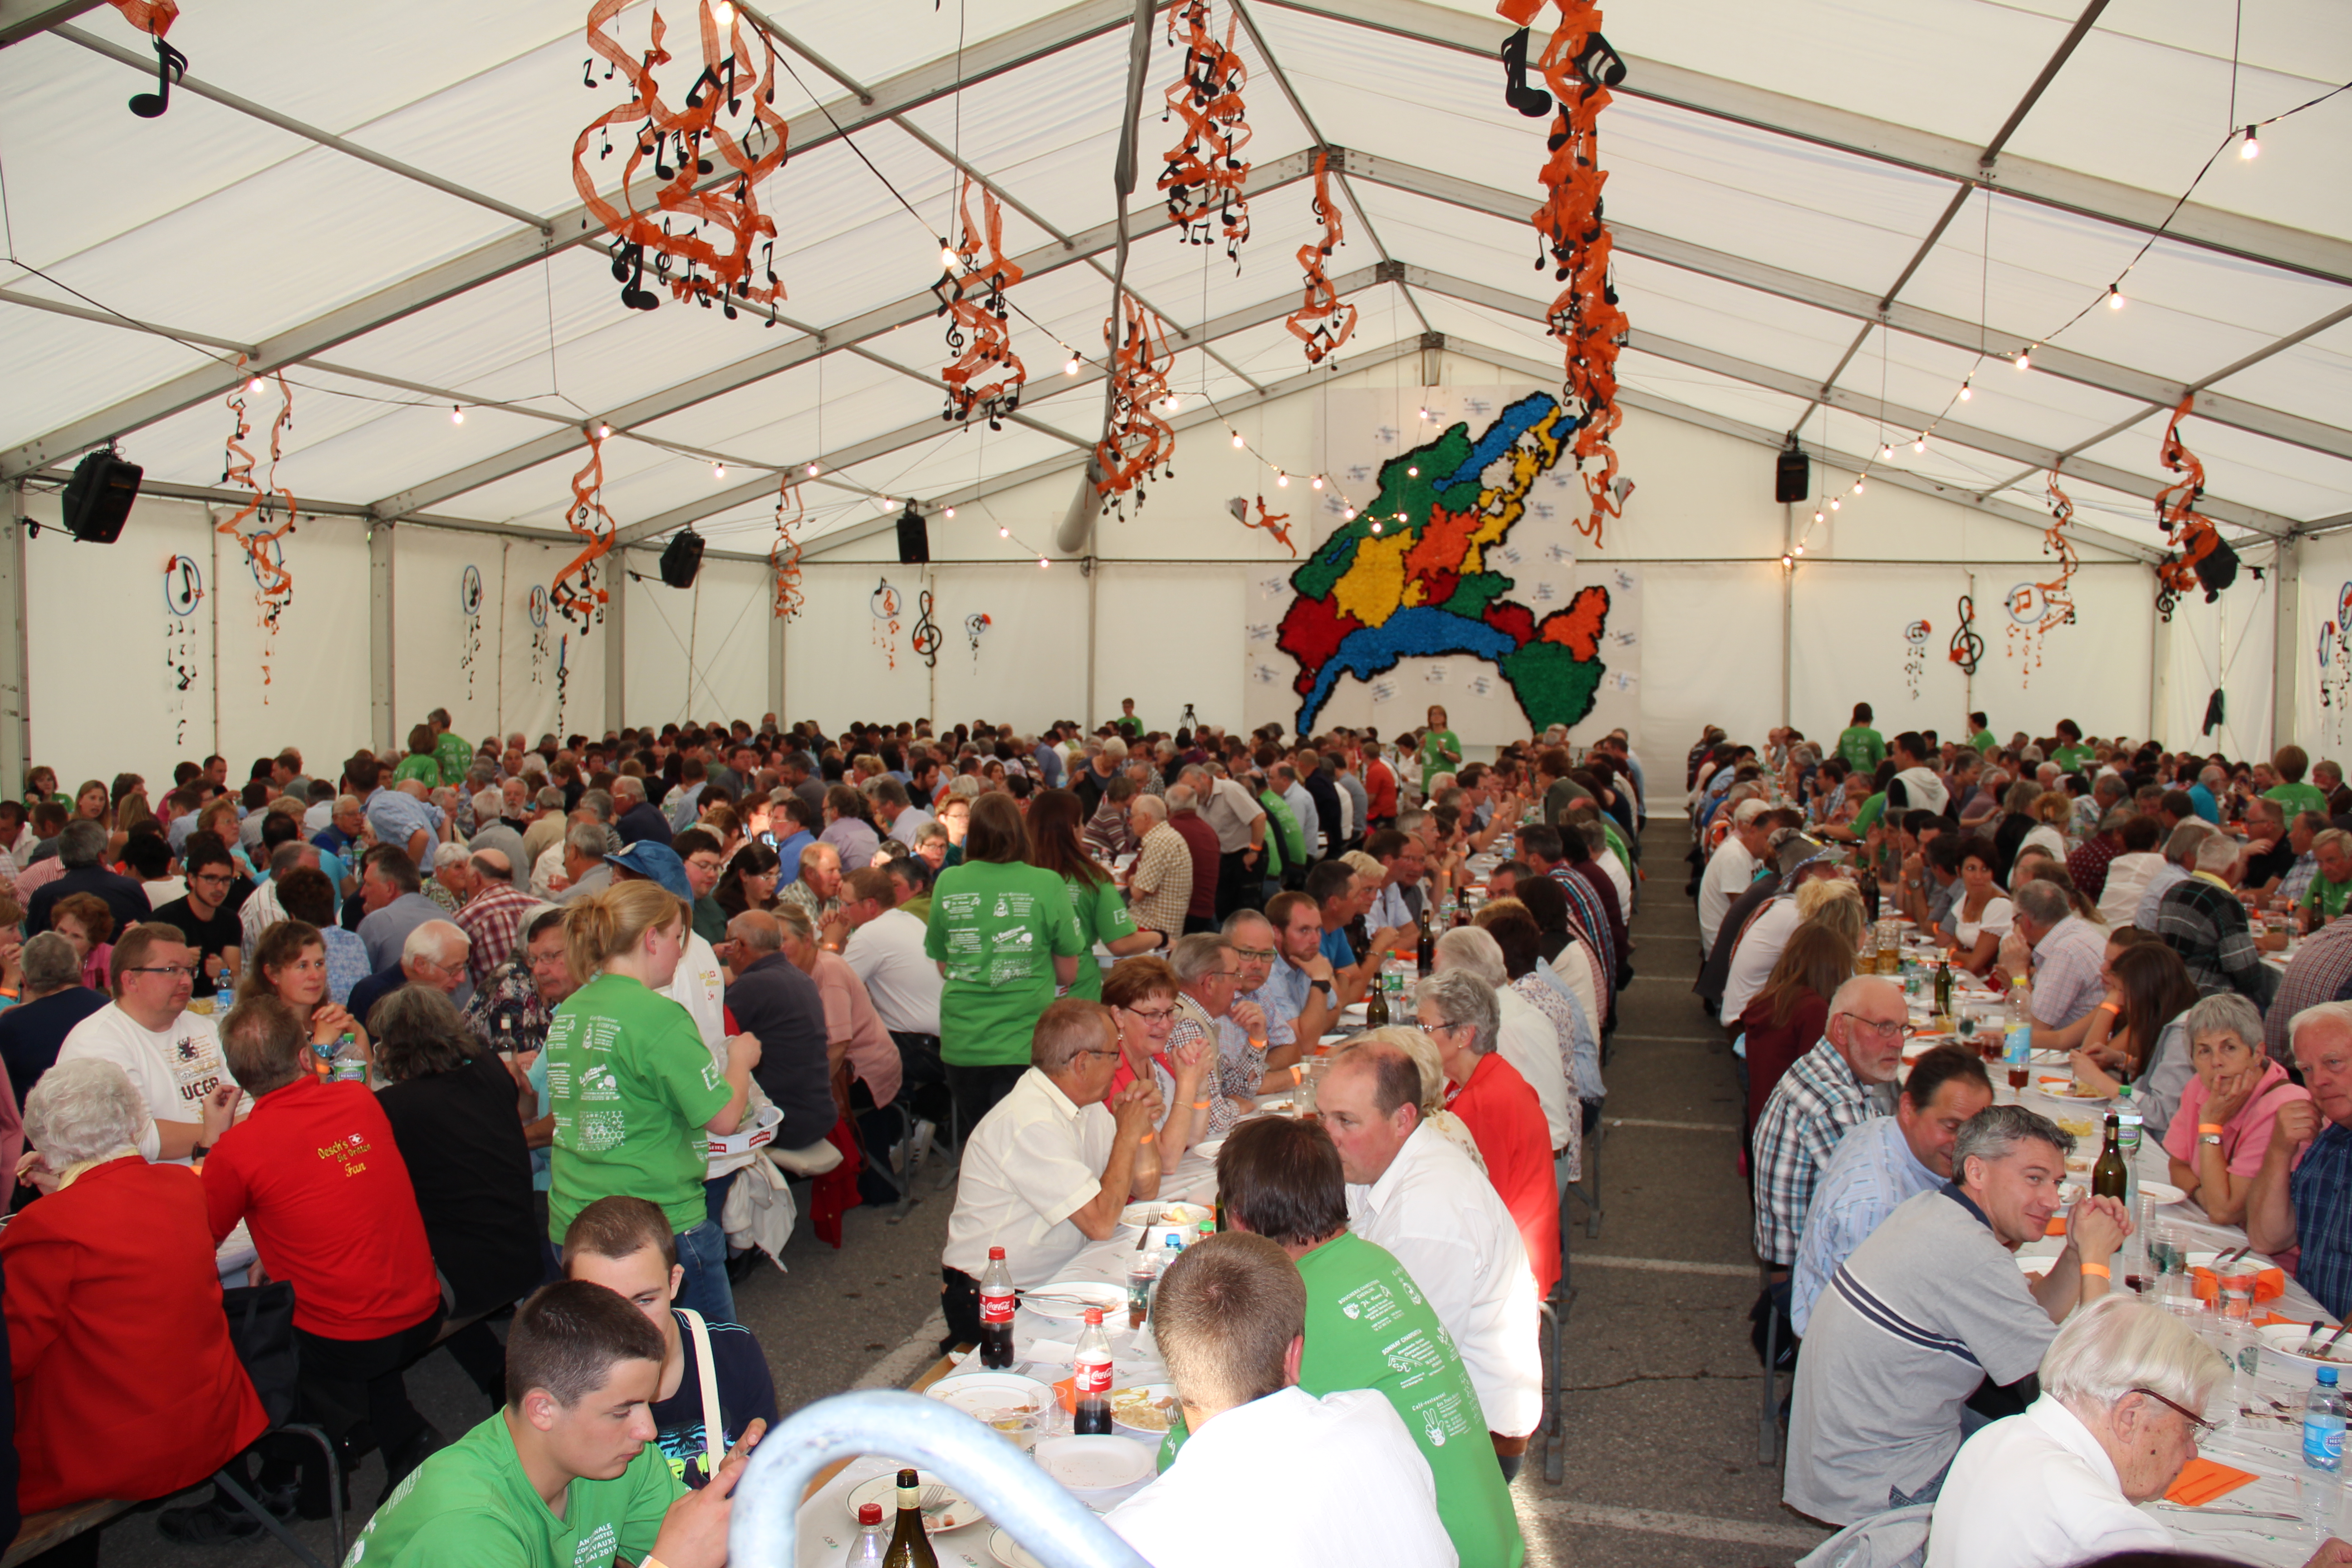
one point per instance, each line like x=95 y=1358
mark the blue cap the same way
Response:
x=2328 y=1374
x=656 y=862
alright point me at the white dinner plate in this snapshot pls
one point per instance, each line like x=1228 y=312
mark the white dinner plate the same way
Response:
x=954 y=1514
x=2280 y=1339
x=2162 y=1193
x=1009 y=1552
x=1184 y=1216
x=2037 y=1267
x=1076 y=1295
x=1018 y=1406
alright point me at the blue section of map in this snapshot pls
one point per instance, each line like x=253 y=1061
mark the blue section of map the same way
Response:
x=1422 y=630
x=1507 y=427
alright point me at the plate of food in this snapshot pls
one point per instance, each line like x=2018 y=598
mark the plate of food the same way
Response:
x=2287 y=1339
x=1069 y=1300
x=952 y=1511
x=1155 y=1214
x=1019 y=1407
x=1146 y=1410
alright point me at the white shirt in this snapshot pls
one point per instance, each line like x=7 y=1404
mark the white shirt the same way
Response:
x=261 y=912
x=1529 y=1043
x=172 y=1069
x=545 y=869
x=906 y=825
x=2128 y=878
x=886 y=953
x=1389 y=910
x=2036 y=1490
x=1759 y=949
x=1439 y=1215
x=1727 y=876
x=1613 y=868
x=1226 y=1500
x=1032 y=1161
x=699 y=985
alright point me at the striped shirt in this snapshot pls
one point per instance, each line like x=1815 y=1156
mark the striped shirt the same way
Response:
x=1873 y=1172
x=2320 y=971
x=2201 y=919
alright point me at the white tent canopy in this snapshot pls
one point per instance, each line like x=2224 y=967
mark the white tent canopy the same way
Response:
x=1825 y=221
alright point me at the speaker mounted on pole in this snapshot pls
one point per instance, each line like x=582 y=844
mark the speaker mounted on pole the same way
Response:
x=681 y=558
x=1792 y=473
x=98 y=498
x=914 y=537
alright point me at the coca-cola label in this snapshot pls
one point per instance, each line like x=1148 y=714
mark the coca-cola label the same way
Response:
x=1094 y=1377
x=996 y=1309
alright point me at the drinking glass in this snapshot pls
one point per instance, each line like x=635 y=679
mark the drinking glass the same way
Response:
x=2237 y=1292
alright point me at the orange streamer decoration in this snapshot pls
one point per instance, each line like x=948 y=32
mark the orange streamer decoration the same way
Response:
x=1139 y=441
x=1205 y=174
x=1321 y=322
x=989 y=374
x=784 y=554
x=2200 y=557
x=1579 y=67
x=2037 y=609
x=575 y=593
x=1270 y=521
x=680 y=143
x=153 y=17
x=264 y=545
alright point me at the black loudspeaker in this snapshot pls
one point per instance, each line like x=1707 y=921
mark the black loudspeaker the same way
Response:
x=98 y=496
x=1792 y=476
x=914 y=538
x=681 y=559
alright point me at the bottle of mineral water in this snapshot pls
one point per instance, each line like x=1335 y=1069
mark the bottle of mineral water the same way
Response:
x=2323 y=1424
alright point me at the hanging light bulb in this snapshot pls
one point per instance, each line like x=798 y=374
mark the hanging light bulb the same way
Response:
x=724 y=13
x=1836 y=504
x=1071 y=368
x=1318 y=481
x=253 y=387
x=1042 y=564
x=1817 y=517
x=1281 y=479
x=950 y=513
x=2250 y=148
x=1886 y=452
x=1787 y=560
x=2114 y=297
x=604 y=432
x=1003 y=533
x=1425 y=414
x=1801 y=550
x=812 y=470
x=1237 y=440
x=1348 y=514
x=718 y=470
x=1413 y=472
x=2024 y=360
x=456 y=414
x=1174 y=402
x=1921 y=443
x=1965 y=389
x=1376 y=525
x=947 y=256
x=1857 y=487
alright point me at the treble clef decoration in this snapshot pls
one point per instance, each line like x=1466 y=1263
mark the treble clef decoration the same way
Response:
x=1967 y=649
x=925 y=639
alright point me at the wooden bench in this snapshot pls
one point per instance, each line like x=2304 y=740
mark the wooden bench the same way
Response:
x=59 y=1525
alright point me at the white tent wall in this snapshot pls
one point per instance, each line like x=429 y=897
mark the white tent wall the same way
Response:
x=316 y=696
x=531 y=650
x=699 y=652
x=2323 y=661
x=445 y=660
x=2226 y=644
x=836 y=665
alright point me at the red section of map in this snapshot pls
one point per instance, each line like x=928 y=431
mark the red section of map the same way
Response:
x=1578 y=627
x=1312 y=631
x=1443 y=541
x=1514 y=621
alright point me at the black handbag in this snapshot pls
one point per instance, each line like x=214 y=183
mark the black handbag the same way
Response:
x=261 y=1328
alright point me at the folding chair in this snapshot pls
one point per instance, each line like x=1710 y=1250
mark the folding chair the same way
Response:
x=260 y=1322
x=1589 y=1189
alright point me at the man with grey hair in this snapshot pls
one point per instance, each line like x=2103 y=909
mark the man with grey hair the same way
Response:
x=1159 y=885
x=1239 y=823
x=547 y=825
x=2069 y=953
x=637 y=817
x=433 y=955
x=262 y=908
x=81 y=850
x=492 y=916
x=2124 y=1385
x=1732 y=868
x=1844 y=1080
x=1524 y=1036
x=2302 y=1194
x=495 y=835
x=1208 y=980
x=2201 y=919
x=585 y=869
x=2179 y=851
x=1932 y=1305
x=53 y=1001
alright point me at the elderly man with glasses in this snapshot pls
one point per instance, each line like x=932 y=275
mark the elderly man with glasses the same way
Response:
x=1209 y=976
x=1051 y=1165
x=2123 y=1386
x=1929 y=1308
x=1844 y=1080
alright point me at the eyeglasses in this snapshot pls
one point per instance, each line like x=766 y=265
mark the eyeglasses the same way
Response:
x=1149 y=1015
x=1895 y=1031
x=218 y=879
x=188 y=971
x=1255 y=954
x=1095 y=1052
x=2198 y=1424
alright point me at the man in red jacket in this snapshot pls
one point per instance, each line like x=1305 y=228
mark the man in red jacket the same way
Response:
x=315 y=1175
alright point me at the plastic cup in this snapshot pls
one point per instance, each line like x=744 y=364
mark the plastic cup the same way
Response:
x=2237 y=1291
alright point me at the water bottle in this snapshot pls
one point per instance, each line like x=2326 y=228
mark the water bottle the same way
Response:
x=2018 y=1034
x=873 y=1544
x=1092 y=1363
x=343 y=1063
x=2323 y=1425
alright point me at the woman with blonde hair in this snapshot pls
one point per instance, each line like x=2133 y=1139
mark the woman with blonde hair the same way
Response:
x=2052 y=812
x=631 y=1084
x=1432 y=1063
x=1835 y=904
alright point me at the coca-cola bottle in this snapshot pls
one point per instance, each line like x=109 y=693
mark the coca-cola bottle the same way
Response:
x=996 y=1313
x=1091 y=1418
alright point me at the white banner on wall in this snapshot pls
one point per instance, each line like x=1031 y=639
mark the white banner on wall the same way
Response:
x=1462 y=581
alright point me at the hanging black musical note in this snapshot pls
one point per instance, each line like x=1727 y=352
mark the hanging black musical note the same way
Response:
x=1532 y=101
x=629 y=269
x=925 y=639
x=170 y=64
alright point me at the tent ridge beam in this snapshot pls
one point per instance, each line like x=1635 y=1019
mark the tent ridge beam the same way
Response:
x=910 y=90
x=287 y=123
x=1882 y=141
x=21 y=19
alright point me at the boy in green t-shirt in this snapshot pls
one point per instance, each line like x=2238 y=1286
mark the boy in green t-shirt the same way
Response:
x=1129 y=726
x=2331 y=884
x=1368 y=1326
x=451 y=751
x=568 y=1473
x=1863 y=747
x=1980 y=734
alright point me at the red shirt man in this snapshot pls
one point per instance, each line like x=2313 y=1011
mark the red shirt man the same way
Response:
x=1380 y=790
x=1202 y=840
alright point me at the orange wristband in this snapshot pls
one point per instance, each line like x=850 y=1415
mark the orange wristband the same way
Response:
x=2115 y=1009
x=1200 y=1105
x=2205 y=1127
x=1149 y=1135
x=2100 y=1270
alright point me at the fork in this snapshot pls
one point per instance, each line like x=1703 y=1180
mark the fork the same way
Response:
x=933 y=1498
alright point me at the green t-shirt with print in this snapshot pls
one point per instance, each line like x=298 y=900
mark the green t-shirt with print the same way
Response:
x=2295 y=797
x=1434 y=745
x=1983 y=742
x=2325 y=898
x=1862 y=748
x=1129 y=725
x=421 y=766
x=998 y=926
x=470 y=1506
x=2070 y=758
x=456 y=755
x=631 y=1085
x=1100 y=909
x=1287 y=845
x=1368 y=1326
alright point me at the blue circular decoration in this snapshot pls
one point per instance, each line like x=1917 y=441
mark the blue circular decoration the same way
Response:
x=2026 y=603
x=277 y=549
x=537 y=606
x=469 y=592
x=184 y=585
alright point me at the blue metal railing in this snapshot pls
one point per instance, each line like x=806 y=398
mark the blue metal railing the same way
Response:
x=1059 y=1530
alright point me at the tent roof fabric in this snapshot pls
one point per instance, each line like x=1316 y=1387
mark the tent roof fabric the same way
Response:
x=1825 y=222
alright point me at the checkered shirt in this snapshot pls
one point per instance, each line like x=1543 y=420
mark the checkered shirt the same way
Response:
x=2320 y=971
x=2202 y=921
x=492 y=921
x=1816 y=1103
x=2321 y=1191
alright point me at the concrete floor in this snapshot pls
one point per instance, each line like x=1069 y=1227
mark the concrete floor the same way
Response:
x=1660 y=1465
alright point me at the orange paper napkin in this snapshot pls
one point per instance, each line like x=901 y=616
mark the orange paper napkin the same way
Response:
x=2269 y=1284
x=2201 y=1481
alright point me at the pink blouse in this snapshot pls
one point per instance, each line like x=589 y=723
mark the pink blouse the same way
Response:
x=2245 y=1135
x=851 y=1021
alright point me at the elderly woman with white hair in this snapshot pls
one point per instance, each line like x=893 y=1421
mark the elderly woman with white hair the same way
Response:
x=2124 y=1388
x=126 y=1383
x=1459 y=1011
x=2222 y=1128
x=1525 y=1037
x=1429 y=1059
